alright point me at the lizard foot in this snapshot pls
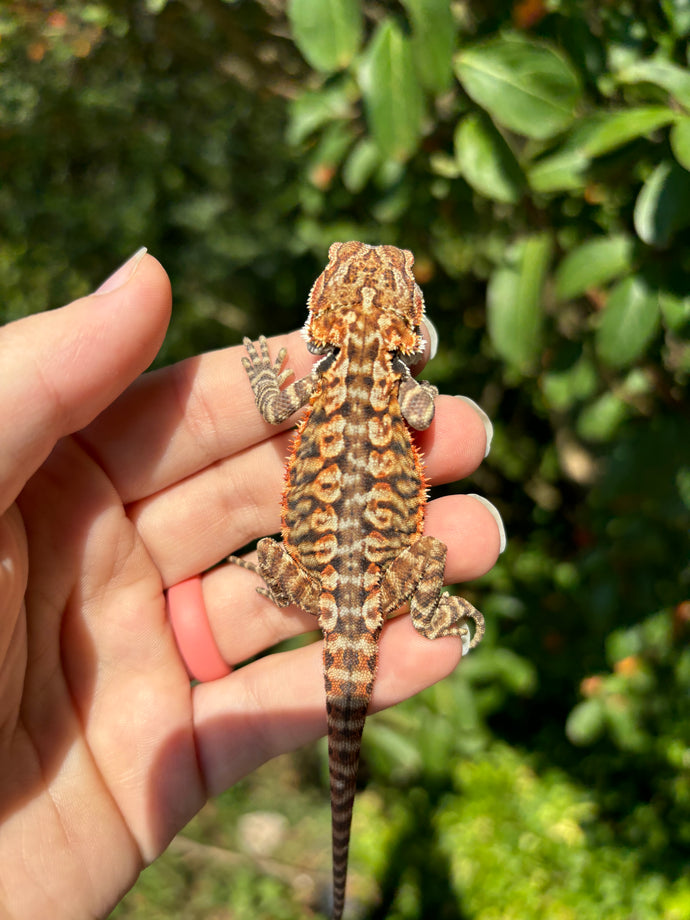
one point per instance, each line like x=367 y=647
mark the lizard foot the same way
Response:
x=451 y=618
x=263 y=590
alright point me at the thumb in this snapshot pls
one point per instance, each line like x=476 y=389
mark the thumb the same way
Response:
x=59 y=369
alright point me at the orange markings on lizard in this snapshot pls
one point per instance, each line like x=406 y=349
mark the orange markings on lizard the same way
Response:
x=353 y=507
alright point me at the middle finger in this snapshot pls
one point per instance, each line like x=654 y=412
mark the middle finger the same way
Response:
x=192 y=524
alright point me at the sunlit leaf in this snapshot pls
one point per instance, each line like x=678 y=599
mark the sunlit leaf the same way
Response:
x=586 y=722
x=618 y=128
x=562 y=171
x=312 y=110
x=433 y=41
x=329 y=153
x=525 y=86
x=660 y=72
x=675 y=310
x=514 y=302
x=663 y=204
x=592 y=263
x=392 y=93
x=360 y=165
x=599 y=420
x=629 y=322
x=563 y=388
x=677 y=13
x=327 y=32
x=680 y=141
x=486 y=161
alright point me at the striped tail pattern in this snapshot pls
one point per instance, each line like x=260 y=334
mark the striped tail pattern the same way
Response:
x=349 y=679
x=345 y=725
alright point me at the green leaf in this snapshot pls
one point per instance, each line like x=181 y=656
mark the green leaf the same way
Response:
x=593 y=263
x=444 y=165
x=360 y=165
x=527 y=87
x=486 y=161
x=560 y=172
x=677 y=13
x=663 y=204
x=680 y=141
x=562 y=389
x=565 y=168
x=327 y=32
x=433 y=41
x=629 y=322
x=618 y=128
x=623 y=727
x=586 y=722
x=329 y=153
x=392 y=93
x=599 y=420
x=312 y=110
x=514 y=303
x=675 y=310
x=660 y=72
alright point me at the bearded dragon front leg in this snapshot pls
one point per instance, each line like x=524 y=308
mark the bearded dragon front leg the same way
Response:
x=416 y=398
x=286 y=581
x=267 y=378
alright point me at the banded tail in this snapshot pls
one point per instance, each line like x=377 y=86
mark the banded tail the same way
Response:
x=349 y=683
x=345 y=725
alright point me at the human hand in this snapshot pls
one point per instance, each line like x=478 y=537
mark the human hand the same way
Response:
x=114 y=487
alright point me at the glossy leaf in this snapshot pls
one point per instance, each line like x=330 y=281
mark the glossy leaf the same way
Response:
x=677 y=13
x=618 y=128
x=527 y=87
x=313 y=110
x=392 y=92
x=675 y=310
x=680 y=141
x=563 y=388
x=360 y=165
x=433 y=41
x=329 y=153
x=663 y=204
x=586 y=722
x=600 y=420
x=670 y=77
x=514 y=302
x=327 y=32
x=562 y=171
x=629 y=322
x=593 y=263
x=486 y=161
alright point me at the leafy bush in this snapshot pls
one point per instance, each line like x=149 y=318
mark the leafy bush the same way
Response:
x=536 y=158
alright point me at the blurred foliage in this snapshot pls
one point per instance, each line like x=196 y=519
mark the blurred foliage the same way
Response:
x=535 y=156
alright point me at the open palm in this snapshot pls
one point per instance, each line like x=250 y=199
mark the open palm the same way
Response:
x=114 y=486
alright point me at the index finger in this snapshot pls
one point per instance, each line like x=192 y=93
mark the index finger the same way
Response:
x=59 y=369
x=174 y=422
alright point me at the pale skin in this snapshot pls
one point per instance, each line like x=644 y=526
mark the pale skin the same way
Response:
x=114 y=486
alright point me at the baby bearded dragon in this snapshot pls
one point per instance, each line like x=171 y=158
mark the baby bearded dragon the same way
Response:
x=353 y=508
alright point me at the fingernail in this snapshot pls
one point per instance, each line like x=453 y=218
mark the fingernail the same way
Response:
x=121 y=275
x=486 y=422
x=432 y=336
x=496 y=516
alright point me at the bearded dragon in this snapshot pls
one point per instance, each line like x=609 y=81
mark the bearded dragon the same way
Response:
x=353 y=549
